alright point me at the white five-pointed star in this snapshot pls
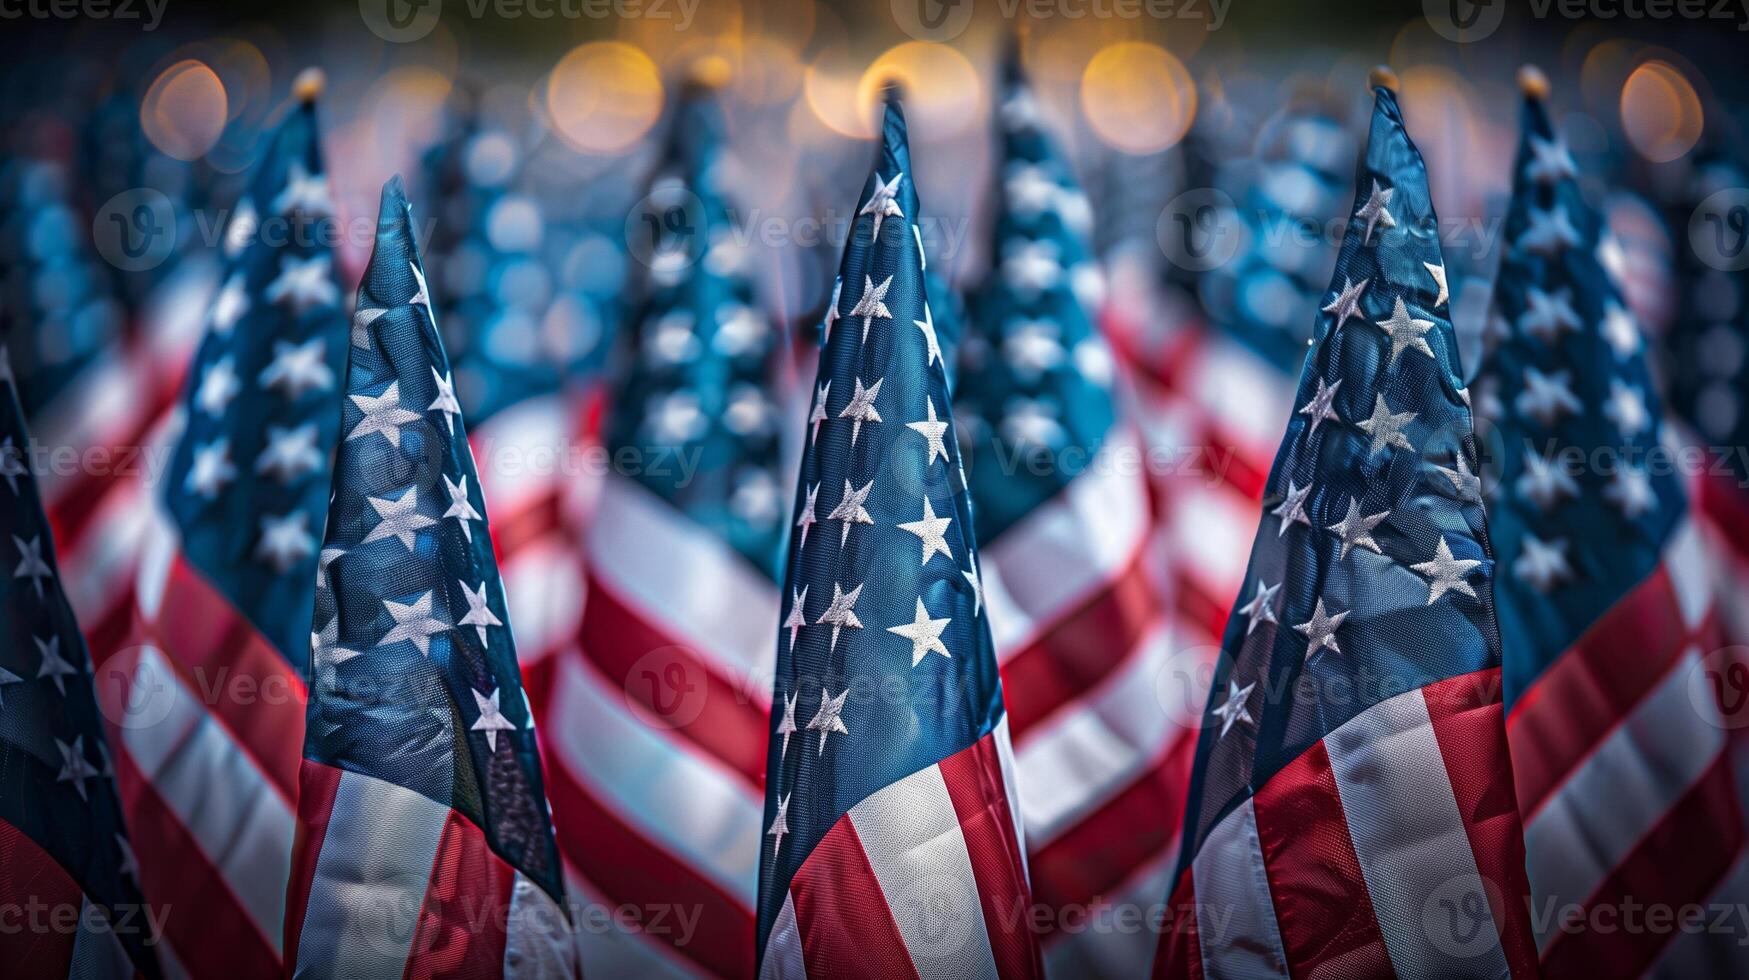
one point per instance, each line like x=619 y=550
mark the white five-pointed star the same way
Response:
x=971 y=575
x=304 y=284
x=780 y=822
x=414 y=623
x=230 y=304
x=7 y=677
x=285 y=540
x=1546 y=397
x=445 y=401
x=31 y=564
x=1346 y=305
x=1542 y=565
x=54 y=667
x=75 y=768
x=1630 y=491
x=241 y=228
x=861 y=407
x=850 y=509
x=786 y=726
x=11 y=465
x=1385 y=427
x=1445 y=573
x=882 y=204
x=931 y=429
x=1626 y=407
x=932 y=346
x=677 y=417
x=1355 y=530
x=491 y=719
x=290 y=453
x=1232 y=710
x=1620 y=331
x=382 y=413
x=1031 y=266
x=421 y=296
x=1545 y=481
x=931 y=530
x=460 y=507
x=210 y=469
x=1032 y=348
x=1321 y=406
x=479 y=614
x=807 y=519
x=304 y=192
x=1293 y=507
x=297 y=369
x=397 y=518
x=1405 y=331
x=1547 y=315
x=1551 y=161
x=924 y=634
x=218 y=385
x=361 y=321
x=1437 y=271
x=832 y=308
x=1467 y=485
x=1320 y=631
x=1550 y=233
x=796 y=619
x=841 y=614
x=130 y=865
x=1261 y=608
x=818 y=415
x=872 y=304
x=828 y=719
x=1373 y=211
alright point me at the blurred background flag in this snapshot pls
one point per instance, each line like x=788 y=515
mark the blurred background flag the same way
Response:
x=424 y=842
x=64 y=851
x=1063 y=525
x=892 y=843
x=1619 y=754
x=1351 y=801
x=219 y=645
x=655 y=722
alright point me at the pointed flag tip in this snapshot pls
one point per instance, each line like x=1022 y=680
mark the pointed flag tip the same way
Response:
x=308 y=86
x=708 y=73
x=394 y=198
x=1532 y=82
x=1382 y=76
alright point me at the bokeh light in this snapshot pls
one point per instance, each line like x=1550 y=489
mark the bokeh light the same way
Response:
x=185 y=110
x=604 y=96
x=942 y=91
x=1137 y=97
x=1660 y=112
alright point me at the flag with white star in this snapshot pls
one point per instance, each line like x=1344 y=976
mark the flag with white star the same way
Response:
x=1063 y=524
x=62 y=834
x=1351 y=806
x=682 y=555
x=891 y=842
x=420 y=797
x=1603 y=596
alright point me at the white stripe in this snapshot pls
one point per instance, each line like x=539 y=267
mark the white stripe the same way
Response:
x=1409 y=838
x=917 y=849
x=678 y=798
x=1685 y=561
x=1211 y=530
x=229 y=807
x=1599 y=815
x=610 y=949
x=519 y=454
x=1090 y=531
x=1710 y=951
x=1235 y=915
x=783 y=947
x=1011 y=789
x=97 y=953
x=1241 y=392
x=98 y=569
x=544 y=585
x=370 y=881
x=539 y=942
x=1120 y=935
x=691 y=583
x=1071 y=764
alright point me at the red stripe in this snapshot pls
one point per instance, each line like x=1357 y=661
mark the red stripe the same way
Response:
x=36 y=893
x=1321 y=900
x=70 y=513
x=639 y=658
x=462 y=925
x=1589 y=690
x=629 y=869
x=1080 y=649
x=241 y=679
x=1466 y=713
x=842 y=914
x=1179 y=956
x=317 y=786
x=538 y=519
x=1680 y=861
x=196 y=901
x=1129 y=829
x=974 y=784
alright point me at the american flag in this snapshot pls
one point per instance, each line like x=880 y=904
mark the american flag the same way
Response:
x=892 y=842
x=655 y=722
x=1623 y=774
x=424 y=844
x=1351 y=807
x=63 y=848
x=1063 y=525
x=211 y=678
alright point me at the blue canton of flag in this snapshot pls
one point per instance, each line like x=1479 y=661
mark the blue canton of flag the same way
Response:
x=1623 y=777
x=421 y=808
x=891 y=845
x=64 y=853
x=1351 y=802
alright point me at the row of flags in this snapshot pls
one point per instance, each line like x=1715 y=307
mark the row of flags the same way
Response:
x=894 y=720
